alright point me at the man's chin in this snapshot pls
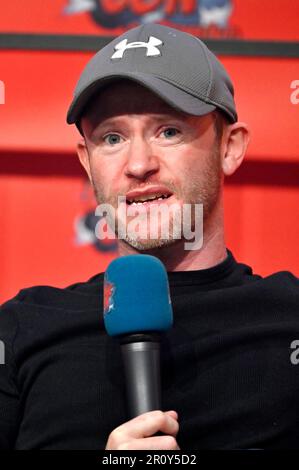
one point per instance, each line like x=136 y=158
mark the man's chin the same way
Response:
x=149 y=244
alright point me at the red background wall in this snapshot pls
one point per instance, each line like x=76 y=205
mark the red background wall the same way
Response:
x=43 y=189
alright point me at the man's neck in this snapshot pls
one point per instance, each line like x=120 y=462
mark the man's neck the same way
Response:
x=176 y=258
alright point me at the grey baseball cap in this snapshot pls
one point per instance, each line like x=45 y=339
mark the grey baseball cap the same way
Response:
x=175 y=65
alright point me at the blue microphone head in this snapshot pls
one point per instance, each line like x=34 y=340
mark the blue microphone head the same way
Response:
x=136 y=296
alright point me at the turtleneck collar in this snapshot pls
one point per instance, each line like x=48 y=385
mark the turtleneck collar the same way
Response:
x=204 y=276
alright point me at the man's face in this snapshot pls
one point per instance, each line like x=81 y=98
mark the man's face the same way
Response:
x=139 y=147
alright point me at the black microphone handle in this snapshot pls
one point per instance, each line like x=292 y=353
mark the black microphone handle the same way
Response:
x=141 y=361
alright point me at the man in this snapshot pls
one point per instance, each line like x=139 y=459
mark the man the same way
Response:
x=157 y=117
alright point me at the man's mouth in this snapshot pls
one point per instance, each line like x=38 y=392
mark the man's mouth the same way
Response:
x=147 y=197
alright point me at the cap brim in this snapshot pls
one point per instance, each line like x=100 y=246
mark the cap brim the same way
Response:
x=168 y=92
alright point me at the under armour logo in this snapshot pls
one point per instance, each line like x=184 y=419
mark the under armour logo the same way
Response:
x=151 y=47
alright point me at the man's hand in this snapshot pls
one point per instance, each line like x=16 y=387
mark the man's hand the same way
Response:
x=139 y=433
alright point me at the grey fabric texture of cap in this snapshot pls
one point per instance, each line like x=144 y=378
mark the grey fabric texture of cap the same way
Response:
x=175 y=65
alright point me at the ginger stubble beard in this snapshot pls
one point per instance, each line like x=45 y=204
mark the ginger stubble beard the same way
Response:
x=204 y=189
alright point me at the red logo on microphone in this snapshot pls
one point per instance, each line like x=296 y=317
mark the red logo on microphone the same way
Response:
x=108 y=297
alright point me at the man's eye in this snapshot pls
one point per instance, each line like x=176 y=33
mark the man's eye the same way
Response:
x=170 y=132
x=112 y=139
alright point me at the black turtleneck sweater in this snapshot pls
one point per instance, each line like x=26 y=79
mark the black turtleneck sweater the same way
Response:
x=226 y=364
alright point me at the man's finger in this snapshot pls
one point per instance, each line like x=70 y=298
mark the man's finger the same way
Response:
x=149 y=424
x=151 y=443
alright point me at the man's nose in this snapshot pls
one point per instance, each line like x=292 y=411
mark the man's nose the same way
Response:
x=142 y=161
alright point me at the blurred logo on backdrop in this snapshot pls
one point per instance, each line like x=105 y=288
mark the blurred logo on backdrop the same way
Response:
x=86 y=221
x=210 y=18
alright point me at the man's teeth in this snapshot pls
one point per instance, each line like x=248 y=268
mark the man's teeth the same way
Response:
x=142 y=199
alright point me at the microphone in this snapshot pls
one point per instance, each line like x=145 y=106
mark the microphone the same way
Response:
x=137 y=309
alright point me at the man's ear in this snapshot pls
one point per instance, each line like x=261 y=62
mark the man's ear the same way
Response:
x=82 y=153
x=236 y=139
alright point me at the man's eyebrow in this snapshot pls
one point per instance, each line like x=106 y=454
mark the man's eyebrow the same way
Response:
x=106 y=122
